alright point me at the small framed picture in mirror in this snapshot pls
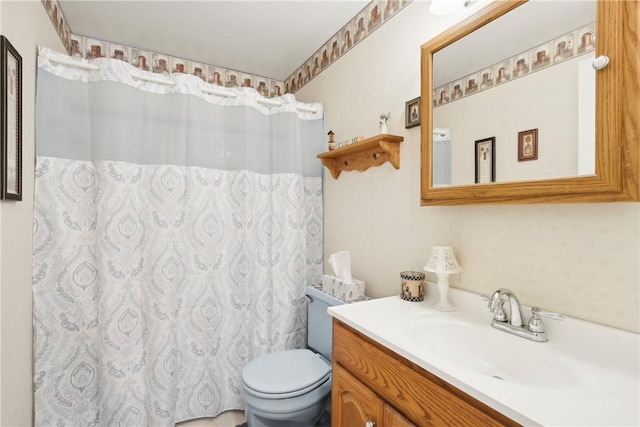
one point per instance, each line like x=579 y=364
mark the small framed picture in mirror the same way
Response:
x=528 y=145
x=412 y=113
x=486 y=160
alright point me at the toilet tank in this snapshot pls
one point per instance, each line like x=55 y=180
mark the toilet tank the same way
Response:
x=319 y=322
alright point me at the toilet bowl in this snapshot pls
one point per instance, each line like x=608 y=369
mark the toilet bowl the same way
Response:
x=291 y=388
x=286 y=388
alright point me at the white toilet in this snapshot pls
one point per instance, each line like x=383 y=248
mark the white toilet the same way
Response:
x=290 y=388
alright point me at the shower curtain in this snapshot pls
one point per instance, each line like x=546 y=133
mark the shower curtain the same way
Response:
x=441 y=157
x=174 y=234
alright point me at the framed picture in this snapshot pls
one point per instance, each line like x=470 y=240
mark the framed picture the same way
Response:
x=11 y=150
x=486 y=160
x=412 y=113
x=528 y=145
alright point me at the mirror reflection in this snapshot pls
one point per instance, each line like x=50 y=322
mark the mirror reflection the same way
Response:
x=525 y=81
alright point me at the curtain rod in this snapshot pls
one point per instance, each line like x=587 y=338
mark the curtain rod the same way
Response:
x=153 y=79
x=76 y=64
x=219 y=92
x=168 y=82
x=266 y=101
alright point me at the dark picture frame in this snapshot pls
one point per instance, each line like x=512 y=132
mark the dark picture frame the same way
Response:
x=528 y=145
x=485 y=160
x=11 y=149
x=412 y=113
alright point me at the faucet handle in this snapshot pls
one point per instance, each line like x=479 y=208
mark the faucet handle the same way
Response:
x=549 y=314
x=487 y=299
x=535 y=323
x=498 y=312
x=491 y=300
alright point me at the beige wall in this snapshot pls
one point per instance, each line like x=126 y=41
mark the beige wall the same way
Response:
x=578 y=259
x=26 y=25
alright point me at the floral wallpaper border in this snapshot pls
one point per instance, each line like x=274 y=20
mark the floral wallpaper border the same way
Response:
x=550 y=53
x=91 y=48
x=375 y=14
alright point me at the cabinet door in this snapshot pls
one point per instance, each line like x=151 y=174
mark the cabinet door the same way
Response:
x=393 y=418
x=352 y=403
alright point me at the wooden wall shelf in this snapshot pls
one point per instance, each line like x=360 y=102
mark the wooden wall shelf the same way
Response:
x=363 y=154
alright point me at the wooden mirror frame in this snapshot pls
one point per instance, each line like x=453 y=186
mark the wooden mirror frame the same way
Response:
x=617 y=119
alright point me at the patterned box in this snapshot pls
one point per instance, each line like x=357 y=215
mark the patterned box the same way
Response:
x=343 y=290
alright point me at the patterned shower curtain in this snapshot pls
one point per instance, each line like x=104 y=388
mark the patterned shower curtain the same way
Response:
x=174 y=234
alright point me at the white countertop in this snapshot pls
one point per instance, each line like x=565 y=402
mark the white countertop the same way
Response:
x=597 y=383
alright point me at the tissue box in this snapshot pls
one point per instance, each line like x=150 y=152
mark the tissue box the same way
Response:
x=343 y=290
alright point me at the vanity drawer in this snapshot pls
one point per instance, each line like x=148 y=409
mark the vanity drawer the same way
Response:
x=420 y=396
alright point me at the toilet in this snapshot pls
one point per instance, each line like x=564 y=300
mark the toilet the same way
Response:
x=290 y=388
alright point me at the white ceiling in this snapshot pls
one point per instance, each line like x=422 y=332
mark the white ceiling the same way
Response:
x=261 y=37
x=272 y=38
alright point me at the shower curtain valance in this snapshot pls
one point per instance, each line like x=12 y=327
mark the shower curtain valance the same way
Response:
x=106 y=69
x=102 y=115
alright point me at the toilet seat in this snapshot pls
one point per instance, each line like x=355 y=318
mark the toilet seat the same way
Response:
x=285 y=374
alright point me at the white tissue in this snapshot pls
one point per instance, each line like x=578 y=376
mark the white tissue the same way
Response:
x=341 y=264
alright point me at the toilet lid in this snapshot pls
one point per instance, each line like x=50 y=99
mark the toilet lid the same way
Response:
x=285 y=371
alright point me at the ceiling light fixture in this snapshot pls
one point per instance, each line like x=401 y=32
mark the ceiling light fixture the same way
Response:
x=445 y=7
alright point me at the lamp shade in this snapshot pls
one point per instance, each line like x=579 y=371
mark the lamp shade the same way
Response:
x=442 y=260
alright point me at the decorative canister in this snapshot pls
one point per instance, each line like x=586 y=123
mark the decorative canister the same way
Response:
x=412 y=286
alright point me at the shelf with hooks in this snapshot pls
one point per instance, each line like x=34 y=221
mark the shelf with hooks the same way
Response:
x=363 y=154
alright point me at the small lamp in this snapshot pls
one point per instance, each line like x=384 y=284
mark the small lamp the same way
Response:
x=443 y=263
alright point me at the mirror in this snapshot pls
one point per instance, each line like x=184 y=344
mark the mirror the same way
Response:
x=540 y=78
x=520 y=116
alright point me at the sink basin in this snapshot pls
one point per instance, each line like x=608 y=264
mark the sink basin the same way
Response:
x=585 y=375
x=451 y=338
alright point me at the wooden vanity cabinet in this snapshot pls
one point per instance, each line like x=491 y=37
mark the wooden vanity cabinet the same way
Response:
x=354 y=404
x=374 y=385
x=393 y=418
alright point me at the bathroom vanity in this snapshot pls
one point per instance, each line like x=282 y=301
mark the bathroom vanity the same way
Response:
x=369 y=381
x=401 y=363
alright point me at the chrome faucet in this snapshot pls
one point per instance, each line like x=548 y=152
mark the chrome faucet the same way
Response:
x=514 y=321
x=515 y=311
